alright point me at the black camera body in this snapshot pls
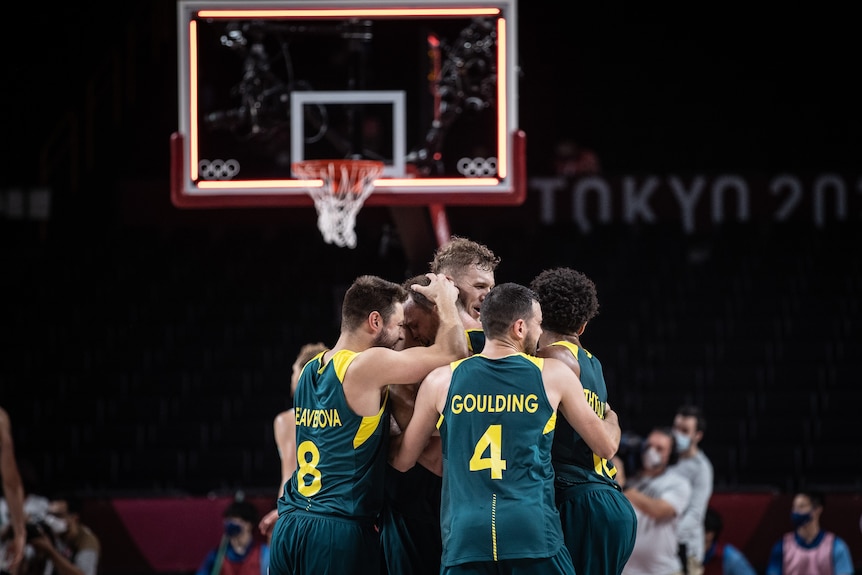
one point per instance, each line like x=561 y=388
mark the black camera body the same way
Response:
x=629 y=452
x=34 y=529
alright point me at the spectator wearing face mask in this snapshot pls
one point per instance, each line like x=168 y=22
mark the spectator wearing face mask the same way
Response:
x=74 y=549
x=239 y=552
x=689 y=425
x=809 y=548
x=659 y=495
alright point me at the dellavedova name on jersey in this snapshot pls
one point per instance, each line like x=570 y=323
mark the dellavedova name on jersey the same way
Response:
x=317 y=417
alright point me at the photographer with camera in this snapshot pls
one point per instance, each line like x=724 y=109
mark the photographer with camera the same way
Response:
x=68 y=544
x=33 y=562
x=659 y=495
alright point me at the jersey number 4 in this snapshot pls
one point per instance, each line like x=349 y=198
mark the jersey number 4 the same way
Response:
x=490 y=442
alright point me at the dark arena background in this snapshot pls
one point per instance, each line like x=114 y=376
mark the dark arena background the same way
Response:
x=146 y=348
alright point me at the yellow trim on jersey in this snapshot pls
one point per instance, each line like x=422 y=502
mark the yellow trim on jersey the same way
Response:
x=457 y=362
x=494 y=524
x=551 y=425
x=574 y=348
x=340 y=360
x=439 y=421
x=539 y=361
x=369 y=424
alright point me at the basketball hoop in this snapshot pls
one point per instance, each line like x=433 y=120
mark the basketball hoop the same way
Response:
x=346 y=185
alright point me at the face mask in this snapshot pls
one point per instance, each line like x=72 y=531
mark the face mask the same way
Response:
x=56 y=524
x=800 y=519
x=683 y=442
x=232 y=528
x=651 y=459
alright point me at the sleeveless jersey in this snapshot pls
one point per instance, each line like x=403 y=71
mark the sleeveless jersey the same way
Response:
x=341 y=455
x=475 y=341
x=410 y=521
x=574 y=461
x=497 y=427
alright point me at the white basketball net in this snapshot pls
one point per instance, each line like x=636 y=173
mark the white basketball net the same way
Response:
x=346 y=185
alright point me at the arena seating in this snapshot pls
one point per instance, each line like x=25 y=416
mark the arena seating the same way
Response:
x=138 y=362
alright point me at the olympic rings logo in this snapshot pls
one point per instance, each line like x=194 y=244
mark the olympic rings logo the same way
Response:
x=477 y=167
x=218 y=169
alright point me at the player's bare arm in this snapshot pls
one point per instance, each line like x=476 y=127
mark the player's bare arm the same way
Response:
x=404 y=453
x=284 y=431
x=13 y=490
x=432 y=456
x=378 y=367
x=403 y=400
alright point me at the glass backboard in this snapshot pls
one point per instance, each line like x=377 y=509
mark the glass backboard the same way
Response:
x=429 y=88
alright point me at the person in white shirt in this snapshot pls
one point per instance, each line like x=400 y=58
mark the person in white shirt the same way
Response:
x=71 y=547
x=689 y=425
x=659 y=495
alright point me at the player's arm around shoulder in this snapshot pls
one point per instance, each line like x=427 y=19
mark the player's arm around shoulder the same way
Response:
x=383 y=366
x=378 y=367
x=407 y=447
x=451 y=332
x=563 y=386
x=561 y=353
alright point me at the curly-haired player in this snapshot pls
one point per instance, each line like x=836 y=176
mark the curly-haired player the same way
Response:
x=599 y=522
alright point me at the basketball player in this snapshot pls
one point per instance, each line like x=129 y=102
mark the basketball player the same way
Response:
x=327 y=514
x=471 y=266
x=410 y=519
x=599 y=522
x=410 y=522
x=284 y=430
x=496 y=412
